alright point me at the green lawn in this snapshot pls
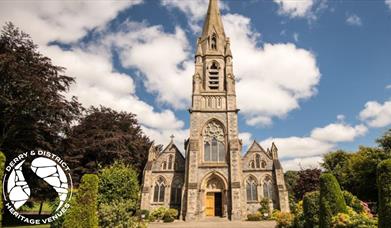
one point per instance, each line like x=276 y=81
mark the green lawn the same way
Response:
x=45 y=208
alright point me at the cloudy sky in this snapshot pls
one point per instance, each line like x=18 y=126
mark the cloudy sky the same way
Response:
x=312 y=75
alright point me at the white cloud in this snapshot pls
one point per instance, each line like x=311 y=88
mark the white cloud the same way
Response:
x=246 y=138
x=65 y=21
x=298 y=147
x=294 y=8
x=354 y=20
x=341 y=117
x=296 y=37
x=97 y=82
x=282 y=74
x=388 y=86
x=195 y=10
x=164 y=59
x=163 y=136
x=306 y=152
x=338 y=132
x=302 y=163
x=376 y=114
x=388 y=3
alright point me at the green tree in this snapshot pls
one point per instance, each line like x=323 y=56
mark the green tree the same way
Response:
x=118 y=195
x=104 y=136
x=118 y=182
x=34 y=113
x=83 y=210
x=384 y=185
x=331 y=201
x=384 y=141
x=356 y=172
x=311 y=209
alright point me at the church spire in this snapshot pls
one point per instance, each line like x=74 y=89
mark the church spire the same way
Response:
x=213 y=21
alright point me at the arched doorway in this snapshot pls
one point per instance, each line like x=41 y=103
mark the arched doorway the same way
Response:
x=214 y=200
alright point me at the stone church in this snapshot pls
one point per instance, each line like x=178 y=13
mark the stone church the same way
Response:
x=215 y=178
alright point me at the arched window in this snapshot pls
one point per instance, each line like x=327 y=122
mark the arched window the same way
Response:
x=258 y=161
x=213 y=43
x=158 y=195
x=164 y=165
x=214 y=76
x=170 y=162
x=214 y=147
x=251 y=189
x=267 y=188
x=251 y=164
x=263 y=164
x=176 y=192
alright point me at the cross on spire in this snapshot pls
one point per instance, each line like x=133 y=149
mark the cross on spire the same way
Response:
x=172 y=138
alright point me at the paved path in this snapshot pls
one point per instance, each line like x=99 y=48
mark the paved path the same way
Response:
x=215 y=224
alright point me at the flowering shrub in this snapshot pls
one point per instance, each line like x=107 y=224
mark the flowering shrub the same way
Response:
x=254 y=217
x=352 y=219
x=283 y=219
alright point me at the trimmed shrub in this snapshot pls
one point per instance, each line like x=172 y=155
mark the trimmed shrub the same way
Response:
x=83 y=210
x=2 y=164
x=332 y=201
x=157 y=214
x=118 y=182
x=384 y=186
x=311 y=209
x=144 y=212
x=170 y=215
x=167 y=218
x=284 y=219
x=254 y=216
x=116 y=213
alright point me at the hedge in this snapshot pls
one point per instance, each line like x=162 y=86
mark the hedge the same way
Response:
x=311 y=209
x=384 y=186
x=332 y=200
x=2 y=164
x=83 y=210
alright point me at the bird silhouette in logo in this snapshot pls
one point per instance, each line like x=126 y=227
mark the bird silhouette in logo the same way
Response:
x=49 y=171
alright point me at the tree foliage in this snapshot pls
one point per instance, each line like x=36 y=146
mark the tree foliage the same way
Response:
x=34 y=113
x=83 y=210
x=356 y=172
x=308 y=181
x=311 y=209
x=118 y=182
x=104 y=136
x=384 y=185
x=331 y=201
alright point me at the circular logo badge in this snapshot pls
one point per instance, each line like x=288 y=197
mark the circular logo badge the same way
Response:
x=48 y=173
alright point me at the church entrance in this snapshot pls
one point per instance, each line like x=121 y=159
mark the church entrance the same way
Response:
x=214 y=204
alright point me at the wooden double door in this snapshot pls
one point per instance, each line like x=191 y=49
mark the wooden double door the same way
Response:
x=214 y=204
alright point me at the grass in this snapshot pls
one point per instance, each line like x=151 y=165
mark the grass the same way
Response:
x=45 y=208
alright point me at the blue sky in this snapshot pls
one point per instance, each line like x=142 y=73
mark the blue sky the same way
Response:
x=312 y=75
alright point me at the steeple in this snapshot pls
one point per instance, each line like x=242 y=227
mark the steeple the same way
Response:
x=213 y=21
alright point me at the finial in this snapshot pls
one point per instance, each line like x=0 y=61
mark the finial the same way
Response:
x=172 y=138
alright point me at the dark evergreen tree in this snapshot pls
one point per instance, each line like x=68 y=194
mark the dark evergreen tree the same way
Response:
x=384 y=186
x=331 y=200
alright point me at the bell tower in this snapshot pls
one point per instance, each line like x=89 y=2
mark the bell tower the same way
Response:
x=213 y=148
